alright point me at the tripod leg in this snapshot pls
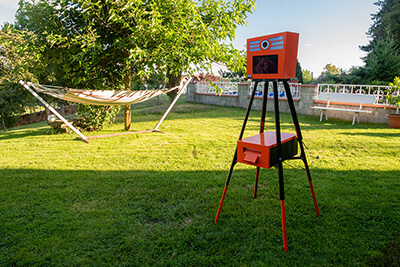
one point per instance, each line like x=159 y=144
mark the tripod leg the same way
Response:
x=300 y=139
x=282 y=198
x=264 y=106
x=234 y=161
x=262 y=127
x=311 y=186
x=256 y=182
x=280 y=170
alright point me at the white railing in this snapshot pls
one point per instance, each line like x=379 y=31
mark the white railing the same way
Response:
x=294 y=89
x=379 y=91
x=231 y=88
x=225 y=88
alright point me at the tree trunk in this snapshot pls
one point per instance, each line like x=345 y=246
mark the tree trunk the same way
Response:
x=62 y=110
x=3 y=122
x=127 y=82
x=173 y=80
x=47 y=111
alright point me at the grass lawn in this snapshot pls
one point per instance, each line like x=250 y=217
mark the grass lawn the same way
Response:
x=151 y=199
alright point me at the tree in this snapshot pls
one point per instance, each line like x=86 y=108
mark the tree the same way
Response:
x=233 y=76
x=356 y=75
x=19 y=55
x=12 y=100
x=40 y=18
x=384 y=48
x=43 y=19
x=383 y=62
x=331 y=74
x=18 y=61
x=299 y=72
x=127 y=40
x=307 y=76
x=330 y=69
x=386 y=24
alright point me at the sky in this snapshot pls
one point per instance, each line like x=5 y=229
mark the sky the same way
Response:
x=331 y=31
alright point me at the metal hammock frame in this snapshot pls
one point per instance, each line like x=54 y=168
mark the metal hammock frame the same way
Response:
x=62 y=93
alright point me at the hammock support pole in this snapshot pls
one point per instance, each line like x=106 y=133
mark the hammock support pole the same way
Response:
x=172 y=104
x=26 y=86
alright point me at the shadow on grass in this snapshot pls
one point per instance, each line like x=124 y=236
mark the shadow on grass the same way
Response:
x=34 y=129
x=54 y=217
x=389 y=256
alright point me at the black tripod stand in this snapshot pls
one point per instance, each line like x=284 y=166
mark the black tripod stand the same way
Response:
x=279 y=157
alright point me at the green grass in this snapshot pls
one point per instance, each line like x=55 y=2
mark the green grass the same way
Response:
x=151 y=199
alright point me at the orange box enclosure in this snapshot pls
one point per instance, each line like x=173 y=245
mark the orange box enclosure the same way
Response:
x=260 y=150
x=272 y=56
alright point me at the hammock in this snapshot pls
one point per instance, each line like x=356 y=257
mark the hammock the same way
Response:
x=107 y=98
x=98 y=97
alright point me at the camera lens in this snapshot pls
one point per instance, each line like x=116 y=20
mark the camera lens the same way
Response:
x=265 y=44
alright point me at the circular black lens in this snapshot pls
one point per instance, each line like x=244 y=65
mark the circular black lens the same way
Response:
x=265 y=44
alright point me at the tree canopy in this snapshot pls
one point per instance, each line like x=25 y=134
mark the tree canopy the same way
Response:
x=119 y=40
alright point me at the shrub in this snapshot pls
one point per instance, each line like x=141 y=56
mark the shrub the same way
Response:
x=95 y=117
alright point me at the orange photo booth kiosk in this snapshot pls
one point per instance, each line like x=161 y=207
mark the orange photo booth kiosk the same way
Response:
x=271 y=59
x=272 y=56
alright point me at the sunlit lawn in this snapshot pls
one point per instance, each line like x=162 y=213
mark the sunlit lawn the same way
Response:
x=151 y=199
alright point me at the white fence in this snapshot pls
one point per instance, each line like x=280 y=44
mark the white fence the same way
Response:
x=231 y=88
x=294 y=89
x=379 y=91
x=226 y=88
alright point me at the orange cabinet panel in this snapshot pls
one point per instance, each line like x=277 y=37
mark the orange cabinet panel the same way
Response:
x=260 y=150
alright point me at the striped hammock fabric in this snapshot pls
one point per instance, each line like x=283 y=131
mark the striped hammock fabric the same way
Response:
x=98 y=97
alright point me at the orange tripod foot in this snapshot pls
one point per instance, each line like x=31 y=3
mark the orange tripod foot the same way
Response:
x=284 y=236
x=314 y=198
x=220 y=204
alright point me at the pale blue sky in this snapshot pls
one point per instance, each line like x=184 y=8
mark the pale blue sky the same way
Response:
x=331 y=31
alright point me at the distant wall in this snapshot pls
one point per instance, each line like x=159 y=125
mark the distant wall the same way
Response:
x=303 y=104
